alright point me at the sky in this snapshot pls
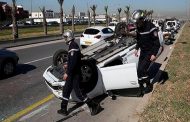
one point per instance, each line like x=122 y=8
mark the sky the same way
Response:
x=160 y=7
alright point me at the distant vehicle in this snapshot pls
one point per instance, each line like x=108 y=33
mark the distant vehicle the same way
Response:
x=95 y=34
x=19 y=24
x=8 y=62
x=52 y=23
x=155 y=22
x=112 y=25
x=172 y=25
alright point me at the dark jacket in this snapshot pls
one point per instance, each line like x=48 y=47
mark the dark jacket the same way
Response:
x=74 y=59
x=147 y=38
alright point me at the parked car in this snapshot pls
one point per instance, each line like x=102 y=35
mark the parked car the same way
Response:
x=52 y=23
x=95 y=34
x=19 y=24
x=8 y=62
x=112 y=25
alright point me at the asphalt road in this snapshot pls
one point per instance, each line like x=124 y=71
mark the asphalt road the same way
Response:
x=27 y=86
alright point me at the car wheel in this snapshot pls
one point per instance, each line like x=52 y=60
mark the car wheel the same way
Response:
x=89 y=75
x=60 y=57
x=8 y=68
x=120 y=29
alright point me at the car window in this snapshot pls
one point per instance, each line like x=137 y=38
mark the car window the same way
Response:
x=91 y=31
x=107 y=30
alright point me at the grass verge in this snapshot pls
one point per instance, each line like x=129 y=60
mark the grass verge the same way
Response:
x=6 y=34
x=170 y=102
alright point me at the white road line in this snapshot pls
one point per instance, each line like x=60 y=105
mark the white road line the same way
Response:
x=38 y=60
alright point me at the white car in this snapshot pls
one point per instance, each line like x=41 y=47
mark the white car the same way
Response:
x=112 y=25
x=104 y=67
x=95 y=34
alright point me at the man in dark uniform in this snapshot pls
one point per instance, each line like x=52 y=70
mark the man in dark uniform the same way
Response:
x=73 y=77
x=148 y=43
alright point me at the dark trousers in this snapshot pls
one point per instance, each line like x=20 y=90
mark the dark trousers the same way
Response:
x=72 y=83
x=143 y=65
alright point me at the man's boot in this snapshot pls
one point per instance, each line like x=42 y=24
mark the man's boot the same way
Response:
x=93 y=106
x=149 y=86
x=63 y=109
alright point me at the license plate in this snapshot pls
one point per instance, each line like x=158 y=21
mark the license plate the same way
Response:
x=88 y=43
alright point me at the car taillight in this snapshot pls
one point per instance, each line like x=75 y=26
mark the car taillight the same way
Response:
x=82 y=35
x=98 y=36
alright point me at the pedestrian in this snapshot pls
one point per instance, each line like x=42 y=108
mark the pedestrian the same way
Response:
x=148 y=44
x=73 y=77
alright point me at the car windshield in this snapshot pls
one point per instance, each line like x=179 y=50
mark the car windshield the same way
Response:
x=91 y=31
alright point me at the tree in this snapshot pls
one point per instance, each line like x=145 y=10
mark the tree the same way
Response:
x=15 y=27
x=43 y=10
x=61 y=16
x=88 y=13
x=119 y=14
x=93 y=7
x=2 y=14
x=127 y=13
x=73 y=18
x=106 y=10
x=151 y=13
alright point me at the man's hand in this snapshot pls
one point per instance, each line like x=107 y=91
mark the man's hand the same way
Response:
x=136 y=53
x=152 y=58
x=65 y=77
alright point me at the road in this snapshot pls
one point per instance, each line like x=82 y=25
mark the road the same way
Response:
x=27 y=86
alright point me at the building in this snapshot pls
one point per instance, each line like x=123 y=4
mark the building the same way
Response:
x=49 y=14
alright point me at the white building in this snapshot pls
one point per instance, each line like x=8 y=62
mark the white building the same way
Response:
x=35 y=15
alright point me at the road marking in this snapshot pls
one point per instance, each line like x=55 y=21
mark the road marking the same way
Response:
x=38 y=60
x=28 y=109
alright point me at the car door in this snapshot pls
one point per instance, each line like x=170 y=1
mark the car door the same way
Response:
x=120 y=76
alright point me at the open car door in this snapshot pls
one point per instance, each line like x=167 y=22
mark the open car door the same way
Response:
x=120 y=76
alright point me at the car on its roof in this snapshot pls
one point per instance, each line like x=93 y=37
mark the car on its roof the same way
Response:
x=95 y=34
x=8 y=62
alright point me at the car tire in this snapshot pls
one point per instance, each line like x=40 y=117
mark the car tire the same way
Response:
x=60 y=57
x=118 y=29
x=89 y=75
x=8 y=68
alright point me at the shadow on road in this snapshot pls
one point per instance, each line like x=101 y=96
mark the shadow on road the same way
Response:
x=74 y=111
x=24 y=68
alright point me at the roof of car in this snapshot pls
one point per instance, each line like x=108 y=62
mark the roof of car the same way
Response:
x=97 y=27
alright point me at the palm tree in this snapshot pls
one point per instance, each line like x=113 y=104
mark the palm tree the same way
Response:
x=106 y=10
x=73 y=17
x=127 y=13
x=151 y=13
x=93 y=7
x=43 y=10
x=61 y=16
x=88 y=13
x=119 y=13
x=15 y=27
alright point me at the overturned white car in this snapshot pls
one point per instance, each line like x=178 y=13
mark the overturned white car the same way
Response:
x=106 y=65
